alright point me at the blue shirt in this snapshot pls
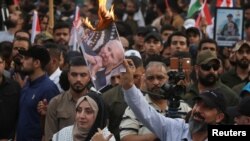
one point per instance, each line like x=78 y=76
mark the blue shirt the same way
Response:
x=29 y=122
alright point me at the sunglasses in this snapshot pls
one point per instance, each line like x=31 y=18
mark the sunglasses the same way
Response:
x=208 y=67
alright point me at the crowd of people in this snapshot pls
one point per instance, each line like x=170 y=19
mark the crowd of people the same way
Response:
x=47 y=91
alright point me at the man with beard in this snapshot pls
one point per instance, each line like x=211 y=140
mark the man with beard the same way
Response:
x=155 y=77
x=209 y=108
x=14 y=23
x=38 y=87
x=207 y=69
x=61 y=109
x=238 y=74
x=61 y=33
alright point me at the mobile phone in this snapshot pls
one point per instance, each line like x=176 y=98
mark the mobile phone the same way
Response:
x=175 y=62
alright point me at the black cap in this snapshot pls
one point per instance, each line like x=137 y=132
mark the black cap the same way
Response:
x=213 y=99
x=141 y=30
x=241 y=109
x=230 y=15
x=37 y=52
x=154 y=35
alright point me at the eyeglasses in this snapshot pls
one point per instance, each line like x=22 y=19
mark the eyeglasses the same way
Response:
x=19 y=48
x=207 y=67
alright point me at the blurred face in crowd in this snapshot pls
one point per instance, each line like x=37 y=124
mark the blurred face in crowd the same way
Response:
x=208 y=73
x=242 y=120
x=153 y=46
x=165 y=34
x=210 y=46
x=130 y=8
x=202 y=115
x=14 y=19
x=193 y=38
x=125 y=43
x=2 y=66
x=247 y=31
x=139 y=42
x=247 y=14
x=243 y=56
x=178 y=43
x=112 y=53
x=115 y=80
x=156 y=76
x=44 y=23
x=85 y=115
x=166 y=53
x=19 y=45
x=29 y=65
x=62 y=36
x=78 y=77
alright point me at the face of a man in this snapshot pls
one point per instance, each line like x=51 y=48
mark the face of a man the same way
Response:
x=165 y=34
x=208 y=73
x=243 y=57
x=115 y=80
x=78 y=77
x=130 y=8
x=153 y=46
x=112 y=54
x=62 y=36
x=193 y=38
x=166 y=53
x=44 y=23
x=28 y=65
x=247 y=14
x=210 y=46
x=139 y=41
x=13 y=19
x=2 y=66
x=19 y=45
x=156 y=76
x=178 y=43
x=202 y=115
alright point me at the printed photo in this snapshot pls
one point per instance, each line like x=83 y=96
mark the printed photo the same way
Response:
x=103 y=53
x=228 y=26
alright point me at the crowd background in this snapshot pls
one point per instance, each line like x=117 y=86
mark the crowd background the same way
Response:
x=41 y=81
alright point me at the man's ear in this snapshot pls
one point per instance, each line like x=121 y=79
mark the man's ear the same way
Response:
x=219 y=117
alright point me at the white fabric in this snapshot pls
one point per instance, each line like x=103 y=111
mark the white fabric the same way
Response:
x=137 y=17
x=6 y=36
x=65 y=134
x=55 y=78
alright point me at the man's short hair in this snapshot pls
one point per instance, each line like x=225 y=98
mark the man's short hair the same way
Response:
x=60 y=25
x=207 y=40
x=177 y=33
x=54 y=50
x=22 y=30
x=157 y=63
x=168 y=27
x=77 y=61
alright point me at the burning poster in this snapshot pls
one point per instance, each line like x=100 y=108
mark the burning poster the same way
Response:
x=102 y=48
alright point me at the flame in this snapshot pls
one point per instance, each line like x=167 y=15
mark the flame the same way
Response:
x=105 y=17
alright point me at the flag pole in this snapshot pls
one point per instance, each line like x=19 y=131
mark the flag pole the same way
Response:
x=51 y=17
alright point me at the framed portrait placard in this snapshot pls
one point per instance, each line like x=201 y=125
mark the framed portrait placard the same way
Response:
x=228 y=26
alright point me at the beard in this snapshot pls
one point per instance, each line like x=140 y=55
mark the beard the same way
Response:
x=78 y=87
x=130 y=13
x=26 y=72
x=156 y=93
x=243 y=63
x=10 y=24
x=208 y=80
x=196 y=126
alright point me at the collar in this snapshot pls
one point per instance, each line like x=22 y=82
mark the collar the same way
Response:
x=150 y=102
x=55 y=74
x=38 y=80
x=69 y=96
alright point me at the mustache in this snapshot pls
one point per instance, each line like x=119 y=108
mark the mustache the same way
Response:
x=78 y=83
x=211 y=76
x=197 y=114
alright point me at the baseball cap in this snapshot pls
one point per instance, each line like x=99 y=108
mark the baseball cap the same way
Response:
x=239 y=44
x=189 y=23
x=213 y=99
x=205 y=56
x=133 y=52
x=37 y=52
x=230 y=15
x=241 y=109
x=44 y=36
x=154 y=35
